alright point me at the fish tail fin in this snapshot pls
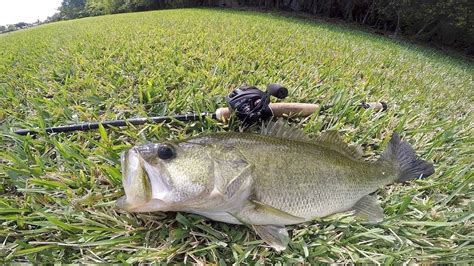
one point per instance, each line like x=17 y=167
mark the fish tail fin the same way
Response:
x=403 y=156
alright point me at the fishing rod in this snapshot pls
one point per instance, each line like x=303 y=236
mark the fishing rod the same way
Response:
x=250 y=105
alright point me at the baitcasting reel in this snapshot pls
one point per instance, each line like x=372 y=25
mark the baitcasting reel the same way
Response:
x=251 y=105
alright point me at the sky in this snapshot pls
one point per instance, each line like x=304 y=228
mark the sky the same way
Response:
x=14 y=11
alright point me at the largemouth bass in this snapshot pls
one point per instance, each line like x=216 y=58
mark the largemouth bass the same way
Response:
x=268 y=180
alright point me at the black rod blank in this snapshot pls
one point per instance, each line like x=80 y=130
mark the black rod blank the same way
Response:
x=117 y=123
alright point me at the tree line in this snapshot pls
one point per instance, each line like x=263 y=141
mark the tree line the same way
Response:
x=17 y=26
x=447 y=22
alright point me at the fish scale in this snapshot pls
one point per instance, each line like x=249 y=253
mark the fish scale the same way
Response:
x=298 y=186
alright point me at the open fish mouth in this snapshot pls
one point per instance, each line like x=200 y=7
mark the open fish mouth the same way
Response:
x=144 y=185
x=130 y=161
x=136 y=182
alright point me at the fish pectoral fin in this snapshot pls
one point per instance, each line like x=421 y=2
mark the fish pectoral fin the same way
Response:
x=232 y=174
x=274 y=235
x=240 y=184
x=269 y=211
x=368 y=209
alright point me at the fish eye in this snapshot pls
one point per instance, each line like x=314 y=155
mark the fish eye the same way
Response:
x=165 y=151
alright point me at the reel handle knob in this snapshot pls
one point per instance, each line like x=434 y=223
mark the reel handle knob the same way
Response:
x=277 y=90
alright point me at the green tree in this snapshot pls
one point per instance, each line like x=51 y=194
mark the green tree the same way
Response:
x=11 y=27
x=100 y=7
x=70 y=9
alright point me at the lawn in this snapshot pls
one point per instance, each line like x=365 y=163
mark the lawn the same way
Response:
x=58 y=191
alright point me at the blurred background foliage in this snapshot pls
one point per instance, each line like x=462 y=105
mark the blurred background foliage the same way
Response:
x=444 y=22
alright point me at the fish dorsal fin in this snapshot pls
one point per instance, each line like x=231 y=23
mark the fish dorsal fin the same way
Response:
x=280 y=129
x=331 y=139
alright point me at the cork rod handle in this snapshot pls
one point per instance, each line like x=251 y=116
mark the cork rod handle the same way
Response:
x=279 y=109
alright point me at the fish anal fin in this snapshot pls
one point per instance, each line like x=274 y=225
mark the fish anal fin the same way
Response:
x=331 y=139
x=274 y=235
x=280 y=129
x=368 y=209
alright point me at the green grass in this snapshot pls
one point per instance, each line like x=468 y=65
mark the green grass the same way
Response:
x=58 y=191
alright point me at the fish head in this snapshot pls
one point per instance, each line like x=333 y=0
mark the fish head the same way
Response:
x=164 y=176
